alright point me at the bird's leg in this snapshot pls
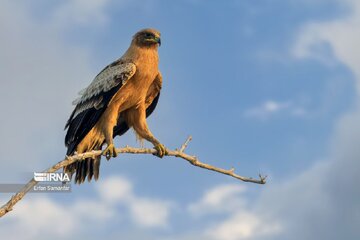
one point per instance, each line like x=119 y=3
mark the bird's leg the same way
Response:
x=143 y=131
x=108 y=122
x=137 y=117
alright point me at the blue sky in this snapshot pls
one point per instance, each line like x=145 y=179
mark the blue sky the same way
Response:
x=266 y=87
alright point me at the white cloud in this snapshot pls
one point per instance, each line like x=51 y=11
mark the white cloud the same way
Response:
x=241 y=221
x=36 y=215
x=144 y=212
x=243 y=225
x=115 y=189
x=341 y=35
x=272 y=107
x=93 y=210
x=40 y=216
x=150 y=212
x=219 y=199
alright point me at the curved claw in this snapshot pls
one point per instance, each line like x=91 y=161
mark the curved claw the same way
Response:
x=109 y=152
x=161 y=150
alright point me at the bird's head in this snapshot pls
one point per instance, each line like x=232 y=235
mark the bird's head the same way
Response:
x=147 y=38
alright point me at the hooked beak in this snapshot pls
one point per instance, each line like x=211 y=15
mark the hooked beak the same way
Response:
x=158 y=40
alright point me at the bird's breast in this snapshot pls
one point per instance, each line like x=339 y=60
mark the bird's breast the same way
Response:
x=146 y=71
x=135 y=90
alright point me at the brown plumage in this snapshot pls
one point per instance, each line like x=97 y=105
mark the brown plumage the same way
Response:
x=120 y=97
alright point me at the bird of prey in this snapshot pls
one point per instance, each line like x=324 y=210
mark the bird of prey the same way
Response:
x=121 y=96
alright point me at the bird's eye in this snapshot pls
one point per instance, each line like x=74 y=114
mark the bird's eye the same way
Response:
x=148 y=35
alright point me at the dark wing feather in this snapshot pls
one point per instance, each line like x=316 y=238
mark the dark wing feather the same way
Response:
x=94 y=101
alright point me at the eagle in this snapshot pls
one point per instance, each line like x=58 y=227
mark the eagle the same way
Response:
x=120 y=97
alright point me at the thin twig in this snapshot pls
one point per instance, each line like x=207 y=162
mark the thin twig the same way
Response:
x=186 y=143
x=79 y=157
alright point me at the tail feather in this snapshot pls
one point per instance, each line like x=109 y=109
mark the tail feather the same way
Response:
x=96 y=167
x=87 y=168
x=90 y=167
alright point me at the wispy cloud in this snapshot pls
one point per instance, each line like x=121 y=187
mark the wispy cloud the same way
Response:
x=272 y=107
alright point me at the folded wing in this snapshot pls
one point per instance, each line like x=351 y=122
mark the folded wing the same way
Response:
x=94 y=100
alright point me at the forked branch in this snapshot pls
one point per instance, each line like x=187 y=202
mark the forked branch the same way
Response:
x=79 y=157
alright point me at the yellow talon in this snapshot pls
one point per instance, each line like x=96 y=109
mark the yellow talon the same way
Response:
x=109 y=152
x=161 y=150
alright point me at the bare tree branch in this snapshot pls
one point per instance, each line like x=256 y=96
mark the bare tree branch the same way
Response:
x=79 y=157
